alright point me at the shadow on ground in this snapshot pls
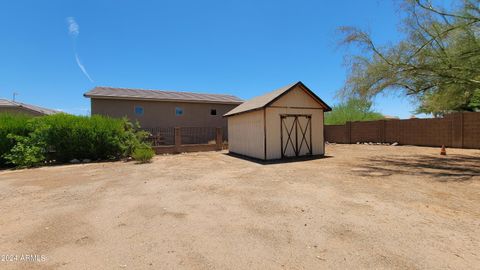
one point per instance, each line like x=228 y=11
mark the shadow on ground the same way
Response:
x=277 y=161
x=449 y=168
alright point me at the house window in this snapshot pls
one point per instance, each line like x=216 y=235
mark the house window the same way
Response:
x=213 y=112
x=178 y=111
x=138 y=110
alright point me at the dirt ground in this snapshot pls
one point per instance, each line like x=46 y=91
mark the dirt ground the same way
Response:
x=363 y=206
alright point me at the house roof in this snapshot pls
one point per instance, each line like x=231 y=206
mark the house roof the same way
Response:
x=14 y=104
x=160 y=95
x=386 y=116
x=267 y=99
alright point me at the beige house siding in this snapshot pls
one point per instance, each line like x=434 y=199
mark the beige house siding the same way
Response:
x=246 y=134
x=18 y=110
x=162 y=113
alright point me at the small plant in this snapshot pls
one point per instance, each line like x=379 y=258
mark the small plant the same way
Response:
x=133 y=137
x=143 y=154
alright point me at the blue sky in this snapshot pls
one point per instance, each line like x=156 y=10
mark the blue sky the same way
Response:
x=244 y=48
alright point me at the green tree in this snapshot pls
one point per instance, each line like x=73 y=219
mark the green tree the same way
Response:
x=352 y=110
x=437 y=61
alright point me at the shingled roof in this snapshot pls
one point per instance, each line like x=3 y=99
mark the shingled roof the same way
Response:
x=267 y=99
x=160 y=95
x=4 y=103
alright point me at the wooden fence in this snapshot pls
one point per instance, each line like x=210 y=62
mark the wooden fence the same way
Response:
x=458 y=130
x=186 y=139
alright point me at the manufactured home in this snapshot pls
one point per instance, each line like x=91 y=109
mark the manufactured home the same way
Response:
x=287 y=122
x=8 y=106
x=156 y=108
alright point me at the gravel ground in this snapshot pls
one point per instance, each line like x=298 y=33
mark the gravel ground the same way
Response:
x=362 y=207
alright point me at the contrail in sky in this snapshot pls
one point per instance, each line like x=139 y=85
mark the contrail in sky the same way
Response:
x=73 y=31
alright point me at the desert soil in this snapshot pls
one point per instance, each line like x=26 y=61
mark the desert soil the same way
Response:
x=362 y=207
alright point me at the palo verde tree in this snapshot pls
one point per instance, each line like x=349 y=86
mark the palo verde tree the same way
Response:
x=437 y=61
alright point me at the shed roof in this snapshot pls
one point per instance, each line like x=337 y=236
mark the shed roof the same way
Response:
x=160 y=95
x=267 y=99
x=14 y=104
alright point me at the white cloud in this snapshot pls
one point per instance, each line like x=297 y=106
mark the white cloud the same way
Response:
x=73 y=28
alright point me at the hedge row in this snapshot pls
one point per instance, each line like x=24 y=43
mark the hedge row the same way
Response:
x=61 y=138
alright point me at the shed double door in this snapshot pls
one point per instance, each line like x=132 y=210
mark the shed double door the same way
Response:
x=296 y=135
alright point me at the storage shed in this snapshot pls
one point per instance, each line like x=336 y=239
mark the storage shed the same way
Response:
x=287 y=122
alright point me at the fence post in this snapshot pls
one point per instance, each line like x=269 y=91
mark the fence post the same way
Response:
x=457 y=129
x=348 y=132
x=219 y=138
x=178 y=139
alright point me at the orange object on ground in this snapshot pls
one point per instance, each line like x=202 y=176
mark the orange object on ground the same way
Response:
x=443 y=152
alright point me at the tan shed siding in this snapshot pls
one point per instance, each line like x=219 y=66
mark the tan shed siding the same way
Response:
x=297 y=97
x=162 y=114
x=246 y=134
x=297 y=101
x=273 y=130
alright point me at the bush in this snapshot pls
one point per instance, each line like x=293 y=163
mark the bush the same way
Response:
x=143 y=154
x=81 y=137
x=11 y=124
x=134 y=138
x=352 y=110
x=63 y=137
x=25 y=153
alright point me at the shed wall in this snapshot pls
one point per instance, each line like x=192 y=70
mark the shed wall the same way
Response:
x=246 y=134
x=273 y=130
x=297 y=101
x=296 y=97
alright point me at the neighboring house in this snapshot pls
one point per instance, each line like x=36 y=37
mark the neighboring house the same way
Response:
x=22 y=108
x=390 y=117
x=155 y=108
x=287 y=122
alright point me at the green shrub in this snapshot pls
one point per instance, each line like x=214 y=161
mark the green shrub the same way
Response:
x=352 y=110
x=11 y=124
x=63 y=137
x=80 y=137
x=143 y=154
x=133 y=138
x=26 y=152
